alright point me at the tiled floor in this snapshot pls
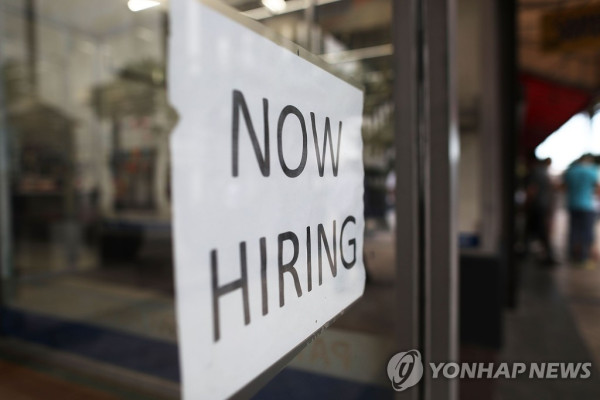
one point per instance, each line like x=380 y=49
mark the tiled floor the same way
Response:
x=141 y=312
x=544 y=329
x=557 y=320
x=580 y=288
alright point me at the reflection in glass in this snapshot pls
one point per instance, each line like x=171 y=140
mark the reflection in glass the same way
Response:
x=88 y=129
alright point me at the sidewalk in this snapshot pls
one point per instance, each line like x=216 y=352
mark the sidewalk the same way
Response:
x=557 y=320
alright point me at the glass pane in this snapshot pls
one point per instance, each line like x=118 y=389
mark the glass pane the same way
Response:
x=88 y=129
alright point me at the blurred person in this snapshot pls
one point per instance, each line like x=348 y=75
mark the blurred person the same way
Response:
x=581 y=181
x=539 y=206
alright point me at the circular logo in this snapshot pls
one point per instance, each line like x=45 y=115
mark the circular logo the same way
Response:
x=405 y=369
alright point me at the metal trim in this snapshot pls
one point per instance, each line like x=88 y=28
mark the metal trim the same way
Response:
x=405 y=25
x=5 y=197
x=442 y=148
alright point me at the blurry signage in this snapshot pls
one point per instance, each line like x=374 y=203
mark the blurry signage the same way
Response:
x=573 y=28
x=267 y=198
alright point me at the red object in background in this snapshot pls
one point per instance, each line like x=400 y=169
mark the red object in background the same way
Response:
x=548 y=106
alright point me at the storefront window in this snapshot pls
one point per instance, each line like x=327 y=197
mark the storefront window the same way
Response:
x=88 y=124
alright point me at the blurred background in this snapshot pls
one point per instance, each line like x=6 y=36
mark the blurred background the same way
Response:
x=87 y=290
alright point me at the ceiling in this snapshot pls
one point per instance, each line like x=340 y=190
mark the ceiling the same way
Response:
x=94 y=19
x=574 y=66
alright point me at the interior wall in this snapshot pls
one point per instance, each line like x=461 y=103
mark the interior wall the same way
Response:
x=469 y=95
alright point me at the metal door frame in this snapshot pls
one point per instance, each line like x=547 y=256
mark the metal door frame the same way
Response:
x=5 y=215
x=427 y=155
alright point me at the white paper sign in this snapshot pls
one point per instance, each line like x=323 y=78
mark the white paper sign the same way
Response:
x=267 y=180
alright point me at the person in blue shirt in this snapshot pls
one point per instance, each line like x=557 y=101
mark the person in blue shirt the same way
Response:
x=581 y=181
